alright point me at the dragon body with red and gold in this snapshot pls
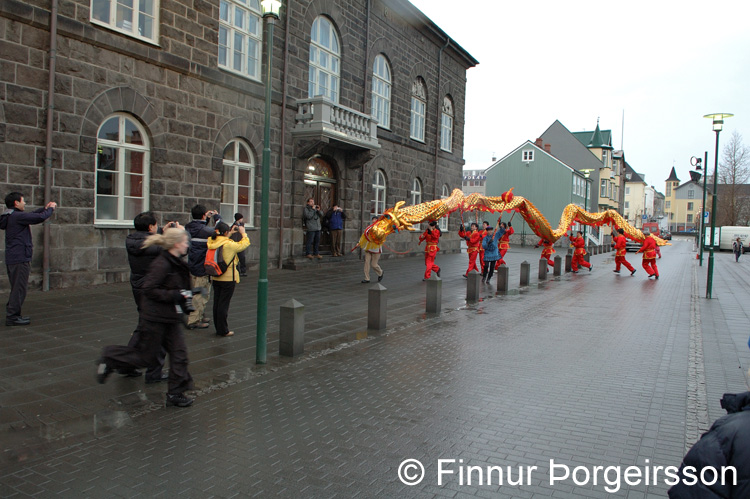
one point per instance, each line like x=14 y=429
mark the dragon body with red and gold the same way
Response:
x=402 y=217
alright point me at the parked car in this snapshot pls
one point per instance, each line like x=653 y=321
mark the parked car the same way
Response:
x=666 y=235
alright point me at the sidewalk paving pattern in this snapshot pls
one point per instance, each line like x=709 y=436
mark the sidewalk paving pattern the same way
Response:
x=592 y=369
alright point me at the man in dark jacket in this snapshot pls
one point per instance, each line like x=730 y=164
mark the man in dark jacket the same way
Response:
x=336 y=217
x=727 y=443
x=312 y=217
x=199 y=232
x=18 y=250
x=140 y=260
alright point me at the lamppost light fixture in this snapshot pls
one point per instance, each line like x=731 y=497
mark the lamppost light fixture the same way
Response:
x=270 y=8
x=696 y=162
x=718 y=120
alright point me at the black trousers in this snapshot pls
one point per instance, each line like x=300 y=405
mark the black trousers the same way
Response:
x=223 y=291
x=154 y=337
x=154 y=371
x=489 y=269
x=18 y=275
x=242 y=266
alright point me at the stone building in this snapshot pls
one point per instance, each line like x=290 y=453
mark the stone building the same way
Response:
x=160 y=105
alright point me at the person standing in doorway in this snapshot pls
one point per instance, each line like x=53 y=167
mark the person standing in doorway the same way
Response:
x=336 y=217
x=16 y=223
x=312 y=217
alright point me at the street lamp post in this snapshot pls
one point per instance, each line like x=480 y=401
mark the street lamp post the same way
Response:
x=718 y=123
x=270 y=10
x=697 y=163
x=586 y=173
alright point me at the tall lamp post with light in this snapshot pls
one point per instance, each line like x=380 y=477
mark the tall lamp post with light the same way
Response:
x=586 y=173
x=718 y=123
x=696 y=162
x=270 y=10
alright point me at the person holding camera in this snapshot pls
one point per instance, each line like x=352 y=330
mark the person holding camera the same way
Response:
x=225 y=283
x=336 y=217
x=200 y=231
x=166 y=297
x=239 y=219
x=311 y=216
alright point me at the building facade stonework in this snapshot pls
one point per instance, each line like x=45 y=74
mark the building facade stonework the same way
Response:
x=164 y=110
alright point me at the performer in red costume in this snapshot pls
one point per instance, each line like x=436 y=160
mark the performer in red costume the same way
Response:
x=580 y=251
x=505 y=241
x=620 y=241
x=547 y=251
x=431 y=235
x=473 y=243
x=649 y=256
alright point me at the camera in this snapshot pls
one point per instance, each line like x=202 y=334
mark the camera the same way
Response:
x=186 y=304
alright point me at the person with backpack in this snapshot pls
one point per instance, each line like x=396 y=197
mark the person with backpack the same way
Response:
x=199 y=231
x=223 y=251
x=737 y=249
x=16 y=222
x=491 y=253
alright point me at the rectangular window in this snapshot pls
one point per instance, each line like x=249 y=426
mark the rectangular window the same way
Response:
x=627 y=191
x=627 y=205
x=669 y=204
x=603 y=189
x=691 y=194
x=417 y=119
x=240 y=37
x=690 y=206
x=446 y=133
x=528 y=156
x=669 y=189
x=690 y=219
x=136 y=18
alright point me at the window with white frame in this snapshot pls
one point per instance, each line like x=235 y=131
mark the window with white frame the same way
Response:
x=627 y=191
x=137 y=18
x=325 y=62
x=381 y=91
x=669 y=189
x=444 y=194
x=122 y=171
x=690 y=219
x=528 y=156
x=240 y=32
x=378 y=194
x=690 y=207
x=603 y=189
x=238 y=182
x=418 y=109
x=669 y=204
x=627 y=205
x=446 y=125
x=691 y=194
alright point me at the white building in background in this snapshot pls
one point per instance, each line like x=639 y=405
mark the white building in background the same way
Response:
x=474 y=181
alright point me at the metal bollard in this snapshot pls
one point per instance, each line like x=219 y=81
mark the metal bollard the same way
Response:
x=292 y=329
x=502 y=278
x=525 y=273
x=558 y=266
x=542 y=269
x=472 y=286
x=377 y=304
x=568 y=262
x=434 y=295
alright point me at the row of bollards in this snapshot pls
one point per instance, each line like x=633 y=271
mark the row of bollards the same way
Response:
x=292 y=323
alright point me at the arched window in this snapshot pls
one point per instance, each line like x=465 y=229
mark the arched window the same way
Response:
x=443 y=223
x=446 y=125
x=238 y=182
x=122 y=170
x=381 y=92
x=324 y=60
x=240 y=32
x=378 y=194
x=418 y=109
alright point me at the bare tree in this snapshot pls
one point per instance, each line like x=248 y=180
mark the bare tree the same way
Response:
x=734 y=173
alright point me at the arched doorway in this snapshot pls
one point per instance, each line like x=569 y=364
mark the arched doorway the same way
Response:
x=320 y=184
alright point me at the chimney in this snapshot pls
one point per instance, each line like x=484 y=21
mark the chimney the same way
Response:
x=494 y=158
x=538 y=143
x=547 y=148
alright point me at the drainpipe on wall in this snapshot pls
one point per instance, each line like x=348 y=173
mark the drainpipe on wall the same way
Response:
x=282 y=152
x=364 y=103
x=439 y=118
x=48 y=150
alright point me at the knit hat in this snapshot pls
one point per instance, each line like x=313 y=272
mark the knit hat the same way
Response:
x=237 y=216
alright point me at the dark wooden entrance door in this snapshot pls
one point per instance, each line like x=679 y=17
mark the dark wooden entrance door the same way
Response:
x=320 y=184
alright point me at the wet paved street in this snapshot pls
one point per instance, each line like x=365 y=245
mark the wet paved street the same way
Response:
x=585 y=370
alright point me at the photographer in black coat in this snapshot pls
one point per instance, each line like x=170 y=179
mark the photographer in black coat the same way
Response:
x=727 y=443
x=165 y=300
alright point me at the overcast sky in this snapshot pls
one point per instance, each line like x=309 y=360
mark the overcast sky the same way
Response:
x=664 y=64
